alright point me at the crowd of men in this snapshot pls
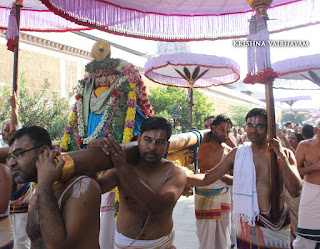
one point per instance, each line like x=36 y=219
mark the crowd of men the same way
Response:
x=232 y=194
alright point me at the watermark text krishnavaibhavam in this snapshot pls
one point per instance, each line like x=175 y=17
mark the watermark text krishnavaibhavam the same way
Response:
x=271 y=43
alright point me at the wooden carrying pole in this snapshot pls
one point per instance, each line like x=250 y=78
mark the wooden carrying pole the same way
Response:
x=89 y=161
x=275 y=194
x=16 y=53
x=191 y=103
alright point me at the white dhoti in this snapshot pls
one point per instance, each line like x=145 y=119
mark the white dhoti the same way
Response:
x=165 y=242
x=107 y=221
x=213 y=214
x=19 y=203
x=308 y=231
x=19 y=223
x=233 y=225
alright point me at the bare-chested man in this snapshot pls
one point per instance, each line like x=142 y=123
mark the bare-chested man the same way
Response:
x=308 y=161
x=148 y=189
x=207 y=121
x=213 y=218
x=61 y=215
x=251 y=185
x=207 y=125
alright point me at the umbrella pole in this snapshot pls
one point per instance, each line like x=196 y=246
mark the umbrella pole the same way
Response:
x=191 y=103
x=16 y=53
x=275 y=197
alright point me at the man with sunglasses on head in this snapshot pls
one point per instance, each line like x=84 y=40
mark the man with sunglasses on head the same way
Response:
x=61 y=214
x=251 y=163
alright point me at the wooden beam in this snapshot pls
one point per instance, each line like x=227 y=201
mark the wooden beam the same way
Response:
x=94 y=160
x=275 y=196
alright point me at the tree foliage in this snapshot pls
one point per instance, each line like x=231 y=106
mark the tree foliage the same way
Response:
x=5 y=109
x=293 y=117
x=238 y=115
x=44 y=108
x=163 y=101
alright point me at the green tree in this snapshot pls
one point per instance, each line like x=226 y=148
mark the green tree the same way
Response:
x=238 y=114
x=43 y=108
x=293 y=117
x=163 y=101
x=5 y=108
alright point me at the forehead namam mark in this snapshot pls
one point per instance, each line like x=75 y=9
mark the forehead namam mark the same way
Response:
x=256 y=120
x=155 y=134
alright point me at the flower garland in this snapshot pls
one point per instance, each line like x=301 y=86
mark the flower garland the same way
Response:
x=111 y=117
x=118 y=118
x=131 y=113
x=67 y=133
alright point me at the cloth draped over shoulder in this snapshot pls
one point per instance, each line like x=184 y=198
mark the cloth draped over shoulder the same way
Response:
x=245 y=199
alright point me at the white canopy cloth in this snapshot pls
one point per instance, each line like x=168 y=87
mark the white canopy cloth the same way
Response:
x=161 y=69
x=166 y=20
x=298 y=73
x=35 y=16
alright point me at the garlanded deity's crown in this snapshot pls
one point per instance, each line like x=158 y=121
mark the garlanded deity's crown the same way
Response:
x=100 y=50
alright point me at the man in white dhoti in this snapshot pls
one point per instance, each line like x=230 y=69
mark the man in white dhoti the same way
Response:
x=251 y=185
x=213 y=202
x=308 y=161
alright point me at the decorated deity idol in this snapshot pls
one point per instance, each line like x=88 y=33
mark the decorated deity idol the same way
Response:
x=111 y=98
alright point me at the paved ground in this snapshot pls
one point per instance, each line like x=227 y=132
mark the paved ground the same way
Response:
x=185 y=224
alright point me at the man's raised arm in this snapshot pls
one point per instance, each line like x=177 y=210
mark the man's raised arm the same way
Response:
x=65 y=230
x=153 y=200
x=214 y=174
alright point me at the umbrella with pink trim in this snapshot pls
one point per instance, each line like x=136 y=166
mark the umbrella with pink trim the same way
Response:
x=302 y=73
x=190 y=70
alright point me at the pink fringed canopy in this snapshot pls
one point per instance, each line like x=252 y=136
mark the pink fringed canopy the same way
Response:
x=298 y=73
x=222 y=71
x=168 y=20
x=35 y=16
